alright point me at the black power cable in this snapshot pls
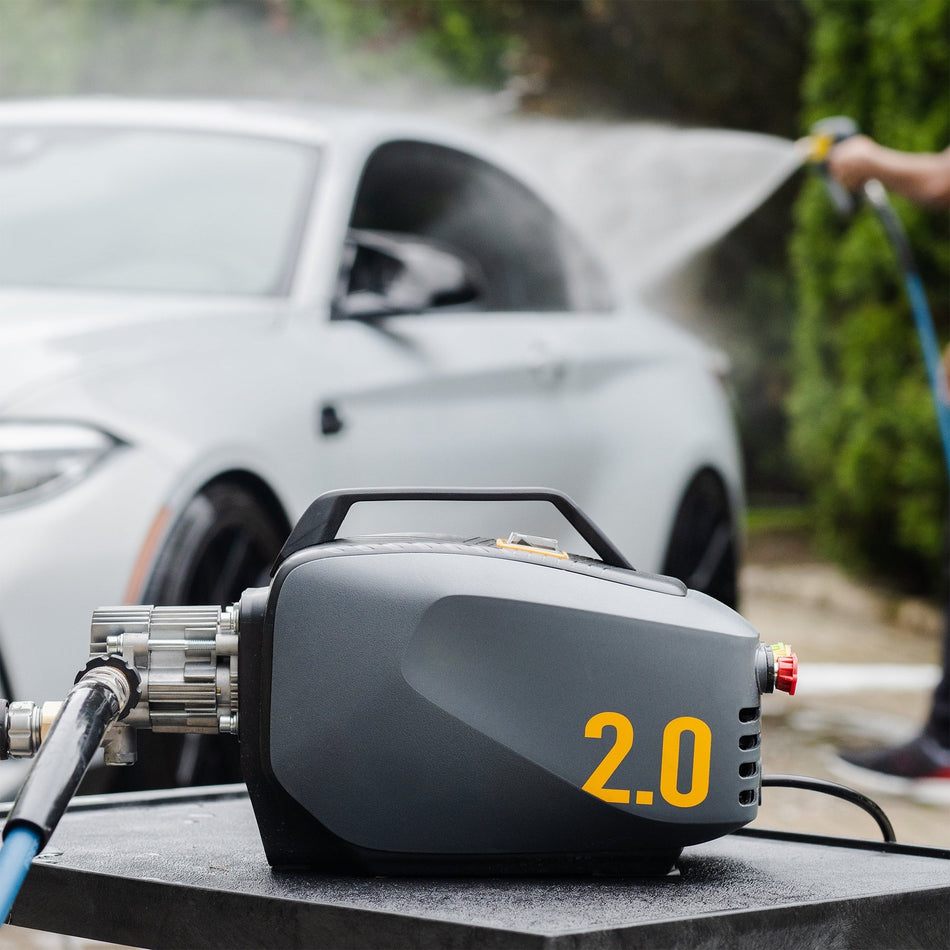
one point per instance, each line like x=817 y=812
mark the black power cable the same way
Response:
x=839 y=791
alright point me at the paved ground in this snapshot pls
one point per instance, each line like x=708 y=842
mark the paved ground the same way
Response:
x=849 y=638
x=868 y=664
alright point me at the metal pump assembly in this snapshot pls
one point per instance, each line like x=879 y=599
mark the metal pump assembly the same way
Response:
x=186 y=661
x=429 y=704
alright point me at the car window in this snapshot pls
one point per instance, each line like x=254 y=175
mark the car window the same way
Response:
x=528 y=259
x=151 y=210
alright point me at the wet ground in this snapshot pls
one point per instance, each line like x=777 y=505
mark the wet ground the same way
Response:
x=868 y=664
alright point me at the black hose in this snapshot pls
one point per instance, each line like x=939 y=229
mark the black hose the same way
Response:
x=88 y=710
x=839 y=791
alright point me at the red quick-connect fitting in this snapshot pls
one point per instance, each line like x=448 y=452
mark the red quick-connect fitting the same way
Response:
x=786 y=673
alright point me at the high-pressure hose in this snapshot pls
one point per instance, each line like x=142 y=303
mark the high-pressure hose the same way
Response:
x=107 y=689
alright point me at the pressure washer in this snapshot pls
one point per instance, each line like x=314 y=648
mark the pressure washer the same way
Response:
x=427 y=704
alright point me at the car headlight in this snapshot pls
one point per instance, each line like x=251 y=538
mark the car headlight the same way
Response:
x=39 y=458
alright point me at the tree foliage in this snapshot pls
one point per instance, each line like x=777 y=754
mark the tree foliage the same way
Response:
x=724 y=63
x=863 y=425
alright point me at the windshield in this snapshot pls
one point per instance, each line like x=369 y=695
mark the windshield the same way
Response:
x=141 y=210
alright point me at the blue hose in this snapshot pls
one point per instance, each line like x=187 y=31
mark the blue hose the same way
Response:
x=877 y=197
x=928 y=341
x=19 y=849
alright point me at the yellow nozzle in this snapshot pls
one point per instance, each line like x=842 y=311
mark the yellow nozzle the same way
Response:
x=815 y=148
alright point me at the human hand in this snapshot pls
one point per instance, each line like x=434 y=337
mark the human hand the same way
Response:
x=855 y=160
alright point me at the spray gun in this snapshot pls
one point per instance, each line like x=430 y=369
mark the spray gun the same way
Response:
x=817 y=147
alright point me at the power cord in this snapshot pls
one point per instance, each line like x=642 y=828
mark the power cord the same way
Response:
x=838 y=791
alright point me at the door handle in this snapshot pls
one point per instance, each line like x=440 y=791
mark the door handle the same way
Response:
x=330 y=421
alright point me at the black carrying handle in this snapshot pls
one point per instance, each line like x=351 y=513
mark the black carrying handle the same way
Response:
x=321 y=521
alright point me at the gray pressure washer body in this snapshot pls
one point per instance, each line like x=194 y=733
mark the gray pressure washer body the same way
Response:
x=438 y=705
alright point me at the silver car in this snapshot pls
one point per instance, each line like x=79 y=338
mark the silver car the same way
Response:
x=210 y=313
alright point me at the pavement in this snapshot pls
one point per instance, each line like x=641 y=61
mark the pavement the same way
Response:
x=869 y=660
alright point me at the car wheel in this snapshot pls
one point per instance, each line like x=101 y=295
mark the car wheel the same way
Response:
x=224 y=542
x=702 y=551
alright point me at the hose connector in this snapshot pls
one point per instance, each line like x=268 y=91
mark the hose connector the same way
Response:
x=23 y=726
x=115 y=674
x=105 y=688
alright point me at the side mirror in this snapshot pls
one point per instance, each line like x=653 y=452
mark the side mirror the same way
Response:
x=385 y=273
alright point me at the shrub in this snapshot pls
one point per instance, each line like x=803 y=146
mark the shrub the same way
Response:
x=863 y=427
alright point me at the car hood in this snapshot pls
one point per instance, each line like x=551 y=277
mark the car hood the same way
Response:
x=48 y=338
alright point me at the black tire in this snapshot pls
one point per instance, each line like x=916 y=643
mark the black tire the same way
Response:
x=703 y=551
x=224 y=542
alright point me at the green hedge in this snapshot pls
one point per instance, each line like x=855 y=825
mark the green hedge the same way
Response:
x=862 y=422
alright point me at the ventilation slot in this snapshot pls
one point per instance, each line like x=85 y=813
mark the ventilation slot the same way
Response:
x=748 y=769
x=749 y=742
x=749 y=714
x=747 y=797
